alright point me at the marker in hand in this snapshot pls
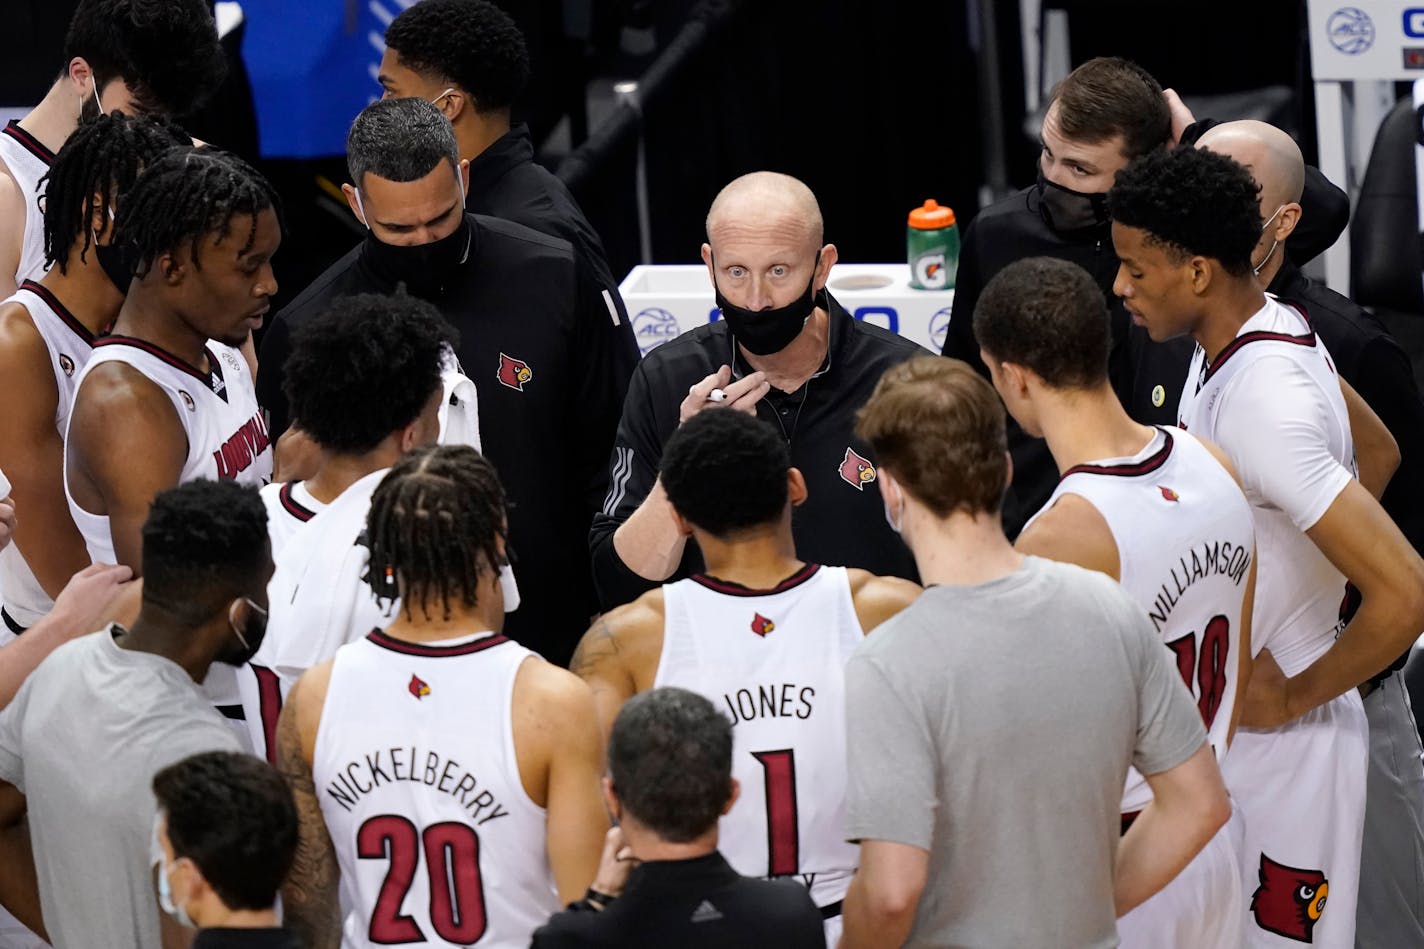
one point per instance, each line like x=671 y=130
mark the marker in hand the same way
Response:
x=716 y=395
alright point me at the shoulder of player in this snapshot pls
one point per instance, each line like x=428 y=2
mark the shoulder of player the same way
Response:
x=114 y=386
x=1221 y=457
x=624 y=638
x=554 y=702
x=22 y=346
x=878 y=598
x=1072 y=531
x=306 y=700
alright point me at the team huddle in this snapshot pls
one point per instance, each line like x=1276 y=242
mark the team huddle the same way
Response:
x=423 y=548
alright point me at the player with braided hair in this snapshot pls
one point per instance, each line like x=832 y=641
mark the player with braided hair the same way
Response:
x=47 y=331
x=135 y=56
x=168 y=397
x=438 y=737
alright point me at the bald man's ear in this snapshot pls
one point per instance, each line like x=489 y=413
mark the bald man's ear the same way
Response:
x=829 y=256
x=1286 y=222
x=707 y=259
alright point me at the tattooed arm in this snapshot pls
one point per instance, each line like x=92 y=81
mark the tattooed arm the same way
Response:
x=309 y=897
x=618 y=656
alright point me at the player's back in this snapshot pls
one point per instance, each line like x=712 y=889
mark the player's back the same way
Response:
x=1184 y=538
x=26 y=161
x=415 y=767
x=1245 y=401
x=774 y=662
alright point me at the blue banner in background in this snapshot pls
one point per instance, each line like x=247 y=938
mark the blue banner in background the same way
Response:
x=313 y=66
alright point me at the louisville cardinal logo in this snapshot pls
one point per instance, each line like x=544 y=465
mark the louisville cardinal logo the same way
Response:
x=761 y=625
x=1168 y=493
x=514 y=372
x=1289 y=902
x=857 y=471
x=418 y=688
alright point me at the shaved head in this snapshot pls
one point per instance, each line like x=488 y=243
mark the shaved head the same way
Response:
x=1272 y=157
x=768 y=205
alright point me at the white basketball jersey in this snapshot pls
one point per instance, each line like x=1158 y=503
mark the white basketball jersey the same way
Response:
x=1298 y=590
x=227 y=435
x=774 y=662
x=289 y=506
x=27 y=161
x=1184 y=540
x=69 y=344
x=415 y=768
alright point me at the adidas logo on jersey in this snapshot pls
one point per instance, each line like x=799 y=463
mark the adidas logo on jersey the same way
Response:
x=705 y=913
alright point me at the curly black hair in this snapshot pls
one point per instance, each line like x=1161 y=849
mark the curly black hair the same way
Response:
x=726 y=472
x=102 y=158
x=204 y=543
x=1047 y=315
x=1192 y=201
x=187 y=195
x=232 y=815
x=471 y=43
x=364 y=368
x=433 y=528
x=165 y=51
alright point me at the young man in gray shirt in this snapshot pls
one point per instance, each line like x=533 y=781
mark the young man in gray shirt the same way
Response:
x=991 y=724
x=82 y=740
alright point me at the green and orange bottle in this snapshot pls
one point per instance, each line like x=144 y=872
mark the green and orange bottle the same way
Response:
x=932 y=247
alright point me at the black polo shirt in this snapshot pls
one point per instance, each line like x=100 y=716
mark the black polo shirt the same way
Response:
x=691 y=904
x=520 y=299
x=843 y=519
x=506 y=182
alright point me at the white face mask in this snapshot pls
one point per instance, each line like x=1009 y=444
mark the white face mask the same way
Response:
x=95 y=89
x=896 y=522
x=165 y=887
x=1256 y=270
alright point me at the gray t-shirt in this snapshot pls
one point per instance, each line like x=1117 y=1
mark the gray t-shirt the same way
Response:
x=82 y=739
x=993 y=725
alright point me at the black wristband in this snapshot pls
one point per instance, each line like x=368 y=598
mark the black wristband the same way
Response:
x=602 y=899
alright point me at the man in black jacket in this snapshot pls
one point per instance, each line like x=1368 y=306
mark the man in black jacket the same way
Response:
x=784 y=350
x=549 y=365
x=661 y=881
x=1390 y=911
x=1106 y=113
x=469 y=58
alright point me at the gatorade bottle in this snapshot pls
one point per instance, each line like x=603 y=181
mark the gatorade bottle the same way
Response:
x=932 y=247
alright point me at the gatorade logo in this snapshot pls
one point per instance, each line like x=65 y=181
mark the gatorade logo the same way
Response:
x=930 y=272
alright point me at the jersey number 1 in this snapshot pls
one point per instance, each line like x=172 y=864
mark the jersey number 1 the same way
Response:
x=782 y=831
x=452 y=862
x=1208 y=667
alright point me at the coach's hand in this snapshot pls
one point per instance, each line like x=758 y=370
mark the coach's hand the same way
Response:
x=98 y=594
x=615 y=864
x=742 y=395
x=1267 y=700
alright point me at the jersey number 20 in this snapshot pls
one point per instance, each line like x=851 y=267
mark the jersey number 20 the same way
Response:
x=452 y=862
x=1207 y=666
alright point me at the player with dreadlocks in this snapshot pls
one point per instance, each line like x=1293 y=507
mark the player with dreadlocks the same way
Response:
x=47 y=331
x=167 y=397
x=135 y=56
x=437 y=737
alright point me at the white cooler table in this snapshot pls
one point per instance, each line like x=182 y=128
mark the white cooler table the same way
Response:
x=666 y=301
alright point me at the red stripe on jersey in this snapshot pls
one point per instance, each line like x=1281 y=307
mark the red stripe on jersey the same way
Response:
x=28 y=142
x=379 y=638
x=291 y=505
x=207 y=378
x=737 y=589
x=60 y=310
x=1146 y=466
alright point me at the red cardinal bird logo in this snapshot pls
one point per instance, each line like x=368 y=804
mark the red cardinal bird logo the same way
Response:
x=857 y=471
x=761 y=625
x=1168 y=493
x=514 y=372
x=418 y=688
x=1289 y=901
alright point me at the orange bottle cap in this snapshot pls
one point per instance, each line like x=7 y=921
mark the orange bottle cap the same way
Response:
x=931 y=217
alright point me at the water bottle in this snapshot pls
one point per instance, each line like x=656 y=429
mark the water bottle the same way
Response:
x=932 y=247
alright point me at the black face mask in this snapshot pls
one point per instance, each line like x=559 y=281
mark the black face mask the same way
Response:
x=1066 y=210
x=423 y=268
x=114 y=261
x=770 y=331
